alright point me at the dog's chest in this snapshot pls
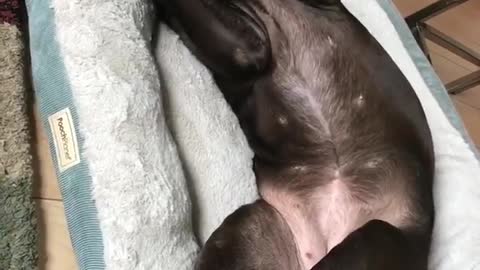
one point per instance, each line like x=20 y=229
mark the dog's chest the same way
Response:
x=324 y=218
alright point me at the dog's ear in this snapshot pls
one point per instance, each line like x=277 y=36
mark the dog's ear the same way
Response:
x=226 y=35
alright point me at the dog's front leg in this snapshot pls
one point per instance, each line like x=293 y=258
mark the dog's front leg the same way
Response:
x=376 y=246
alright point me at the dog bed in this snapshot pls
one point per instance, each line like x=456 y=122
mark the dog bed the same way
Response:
x=149 y=157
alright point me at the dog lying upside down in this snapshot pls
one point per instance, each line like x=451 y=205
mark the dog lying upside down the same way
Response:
x=343 y=153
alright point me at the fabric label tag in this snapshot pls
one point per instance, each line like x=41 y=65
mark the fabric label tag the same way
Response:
x=65 y=139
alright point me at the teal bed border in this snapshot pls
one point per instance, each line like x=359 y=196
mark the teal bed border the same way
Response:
x=53 y=93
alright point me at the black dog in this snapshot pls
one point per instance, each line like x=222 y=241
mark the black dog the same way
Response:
x=344 y=159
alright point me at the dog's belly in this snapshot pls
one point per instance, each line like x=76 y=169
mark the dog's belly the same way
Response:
x=329 y=214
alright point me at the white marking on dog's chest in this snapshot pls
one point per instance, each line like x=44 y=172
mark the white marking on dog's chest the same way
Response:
x=330 y=41
x=282 y=120
x=359 y=101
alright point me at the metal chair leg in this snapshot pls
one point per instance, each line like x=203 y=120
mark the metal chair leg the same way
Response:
x=422 y=31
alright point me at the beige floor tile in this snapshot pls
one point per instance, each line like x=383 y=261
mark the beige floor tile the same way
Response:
x=464 y=64
x=461 y=23
x=448 y=70
x=56 y=251
x=471 y=97
x=45 y=182
x=471 y=119
x=408 y=7
x=450 y=67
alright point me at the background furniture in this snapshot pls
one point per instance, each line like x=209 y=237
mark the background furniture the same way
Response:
x=421 y=30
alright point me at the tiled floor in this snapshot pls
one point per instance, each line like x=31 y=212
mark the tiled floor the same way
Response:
x=463 y=24
x=55 y=245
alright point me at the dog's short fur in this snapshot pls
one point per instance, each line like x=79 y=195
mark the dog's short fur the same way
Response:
x=344 y=158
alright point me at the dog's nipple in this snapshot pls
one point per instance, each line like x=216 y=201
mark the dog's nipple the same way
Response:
x=282 y=120
x=359 y=101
